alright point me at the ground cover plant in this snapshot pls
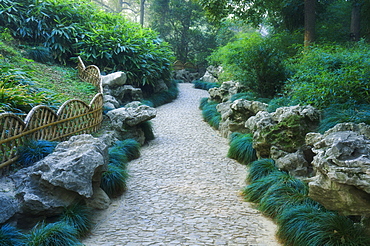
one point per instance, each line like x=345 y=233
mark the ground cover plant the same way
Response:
x=33 y=151
x=10 y=236
x=78 y=216
x=210 y=113
x=241 y=148
x=163 y=97
x=198 y=84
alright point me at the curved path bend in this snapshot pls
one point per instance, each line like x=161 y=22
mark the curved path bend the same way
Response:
x=183 y=189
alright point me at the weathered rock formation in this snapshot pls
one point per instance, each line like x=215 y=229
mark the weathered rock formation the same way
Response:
x=281 y=136
x=117 y=92
x=225 y=91
x=235 y=114
x=71 y=173
x=342 y=164
x=211 y=75
x=126 y=121
x=185 y=76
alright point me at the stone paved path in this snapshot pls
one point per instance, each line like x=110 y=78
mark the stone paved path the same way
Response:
x=183 y=189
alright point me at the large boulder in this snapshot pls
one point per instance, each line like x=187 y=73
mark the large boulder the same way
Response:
x=185 y=75
x=225 y=91
x=285 y=129
x=9 y=207
x=70 y=173
x=126 y=121
x=235 y=114
x=342 y=164
x=211 y=75
x=114 y=79
x=122 y=94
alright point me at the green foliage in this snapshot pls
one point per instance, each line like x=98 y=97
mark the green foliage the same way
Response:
x=130 y=147
x=203 y=102
x=340 y=113
x=40 y=54
x=313 y=225
x=256 y=190
x=198 y=84
x=163 y=97
x=254 y=61
x=147 y=128
x=56 y=234
x=261 y=168
x=210 y=113
x=69 y=28
x=79 y=217
x=10 y=236
x=331 y=74
x=113 y=181
x=241 y=148
x=278 y=102
x=33 y=151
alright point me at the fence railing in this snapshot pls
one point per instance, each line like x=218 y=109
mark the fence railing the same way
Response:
x=43 y=123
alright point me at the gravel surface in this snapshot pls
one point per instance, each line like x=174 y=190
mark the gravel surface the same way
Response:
x=183 y=189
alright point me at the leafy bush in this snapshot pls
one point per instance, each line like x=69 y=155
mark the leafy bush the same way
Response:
x=10 y=236
x=78 y=216
x=241 y=148
x=331 y=74
x=210 y=113
x=70 y=27
x=255 y=61
x=340 y=113
x=198 y=84
x=34 y=150
x=113 y=181
x=57 y=234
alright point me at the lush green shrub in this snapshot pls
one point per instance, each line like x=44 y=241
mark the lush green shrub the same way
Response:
x=10 y=236
x=70 y=27
x=57 y=234
x=241 y=148
x=79 y=217
x=113 y=181
x=210 y=113
x=255 y=61
x=33 y=151
x=331 y=74
x=340 y=113
x=198 y=84
x=314 y=225
x=261 y=168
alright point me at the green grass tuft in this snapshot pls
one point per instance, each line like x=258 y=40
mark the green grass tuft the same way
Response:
x=160 y=98
x=261 y=168
x=147 y=128
x=10 y=236
x=78 y=216
x=33 y=151
x=203 y=102
x=198 y=84
x=314 y=225
x=113 y=181
x=241 y=148
x=56 y=234
x=210 y=114
x=130 y=147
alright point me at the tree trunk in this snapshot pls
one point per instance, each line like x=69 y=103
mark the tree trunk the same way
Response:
x=355 y=21
x=142 y=3
x=309 y=22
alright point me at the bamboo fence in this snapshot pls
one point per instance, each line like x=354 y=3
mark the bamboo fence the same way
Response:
x=43 y=123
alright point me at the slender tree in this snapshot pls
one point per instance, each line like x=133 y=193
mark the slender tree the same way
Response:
x=309 y=22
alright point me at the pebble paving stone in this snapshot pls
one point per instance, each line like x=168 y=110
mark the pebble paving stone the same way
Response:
x=183 y=190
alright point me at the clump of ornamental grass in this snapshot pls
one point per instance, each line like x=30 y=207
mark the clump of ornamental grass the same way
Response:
x=34 y=150
x=113 y=181
x=261 y=168
x=203 y=102
x=198 y=84
x=241 y=148
x=210 y=114
x=147 y=128
x=10 y=236
x=56 y=234
x=78 y=216
x=130 y=147
x=309 y=224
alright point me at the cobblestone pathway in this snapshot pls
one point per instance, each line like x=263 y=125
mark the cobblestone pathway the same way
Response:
x=183 y=189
